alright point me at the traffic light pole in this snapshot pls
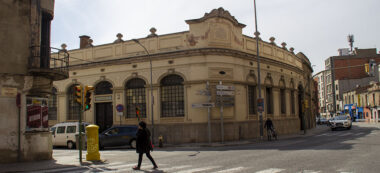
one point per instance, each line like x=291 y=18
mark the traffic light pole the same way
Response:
x=80 y=125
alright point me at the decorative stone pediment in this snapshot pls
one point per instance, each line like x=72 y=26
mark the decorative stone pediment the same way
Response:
x=220 y=12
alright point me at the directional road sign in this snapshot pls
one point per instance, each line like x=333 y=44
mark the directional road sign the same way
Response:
x=203 y=105
x=203 y=92
x=228 y=93
x=225 y=87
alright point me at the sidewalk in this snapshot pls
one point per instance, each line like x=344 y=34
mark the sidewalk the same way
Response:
x=68 y=161
x=309 y=132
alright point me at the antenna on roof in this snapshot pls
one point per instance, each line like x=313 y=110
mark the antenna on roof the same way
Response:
x=350 y=39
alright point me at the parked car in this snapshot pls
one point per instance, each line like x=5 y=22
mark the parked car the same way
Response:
x=341 y=121
x=322 y=121
x=63 y=134
x=118 y=136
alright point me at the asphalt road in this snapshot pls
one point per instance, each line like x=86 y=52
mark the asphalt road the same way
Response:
x=356 y=150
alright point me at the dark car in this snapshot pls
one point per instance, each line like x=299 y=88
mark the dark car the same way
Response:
x=118 y=136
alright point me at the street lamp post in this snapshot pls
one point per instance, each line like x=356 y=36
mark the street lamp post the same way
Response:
x=258 y=74
x=151 y=86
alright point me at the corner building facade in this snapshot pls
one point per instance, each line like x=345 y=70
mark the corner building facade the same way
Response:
x=27 y=73
x=213 y=50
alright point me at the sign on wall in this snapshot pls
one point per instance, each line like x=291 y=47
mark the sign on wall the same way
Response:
x=36 y=114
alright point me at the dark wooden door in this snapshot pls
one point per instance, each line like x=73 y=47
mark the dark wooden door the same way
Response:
x=104 y=116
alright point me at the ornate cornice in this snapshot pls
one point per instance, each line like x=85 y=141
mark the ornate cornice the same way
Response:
x=186 y=53
x=220 y=12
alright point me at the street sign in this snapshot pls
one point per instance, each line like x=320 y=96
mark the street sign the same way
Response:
x=203 y=105
x=260 y=105
x=225 y=104
x=225 y=87
x=119 y=113
x=119 y=108
x=203 y=92
x=228 y=93
x=225 y=98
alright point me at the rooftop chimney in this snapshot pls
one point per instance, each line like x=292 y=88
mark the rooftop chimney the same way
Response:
x=83 y=41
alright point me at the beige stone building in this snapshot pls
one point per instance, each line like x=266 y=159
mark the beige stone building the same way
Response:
x=214 y=50
x=27 y=73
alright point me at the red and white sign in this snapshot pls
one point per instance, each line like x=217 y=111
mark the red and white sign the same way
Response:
x=37 y=114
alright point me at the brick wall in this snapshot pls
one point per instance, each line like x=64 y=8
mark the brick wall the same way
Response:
x=356 y=72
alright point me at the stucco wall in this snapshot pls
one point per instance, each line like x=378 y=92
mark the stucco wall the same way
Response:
x=212 y=45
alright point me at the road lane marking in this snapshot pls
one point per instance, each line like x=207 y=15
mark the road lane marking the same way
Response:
x=271 y=170
x=309 y=171
x=345 y=134
x=231 y=170
x=71 y=169
x=361 y=133
x=198 y=169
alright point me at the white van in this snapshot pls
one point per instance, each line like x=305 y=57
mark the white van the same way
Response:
x=63 y=134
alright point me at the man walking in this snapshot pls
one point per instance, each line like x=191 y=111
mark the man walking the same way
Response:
x=144 y=145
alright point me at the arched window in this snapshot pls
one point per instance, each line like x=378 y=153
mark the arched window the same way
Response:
x=172 y=96
x=282 y=96
x=269 y=99
x=73 y=107
x=252 y=94
x=103 y=87
x=52 y=113
x=269 y=94
x=252 y=97
x=135 y=98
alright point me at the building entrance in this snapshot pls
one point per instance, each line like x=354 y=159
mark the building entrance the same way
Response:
x=103 y=107
x=104 y=115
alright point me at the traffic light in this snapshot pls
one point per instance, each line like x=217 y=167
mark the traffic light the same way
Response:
x=87 y=97
x=78 y=94
x=138 y=112
x=366 y=68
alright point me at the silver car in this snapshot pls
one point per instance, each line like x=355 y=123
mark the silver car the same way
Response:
x=341 y=121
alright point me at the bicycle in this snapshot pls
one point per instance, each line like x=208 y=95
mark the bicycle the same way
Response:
x=271 y=133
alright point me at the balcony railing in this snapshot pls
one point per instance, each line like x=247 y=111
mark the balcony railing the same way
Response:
x=50 y=62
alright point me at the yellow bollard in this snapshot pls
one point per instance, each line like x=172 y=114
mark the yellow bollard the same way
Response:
x=92 y=143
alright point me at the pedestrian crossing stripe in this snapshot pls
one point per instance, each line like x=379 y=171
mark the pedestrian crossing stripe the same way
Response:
x=230 y=170
x=147 y=167
x=198 y=169
x=309 y=171
x=271 y=170
x=175 y=168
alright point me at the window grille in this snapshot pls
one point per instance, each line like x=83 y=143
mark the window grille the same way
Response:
x=135 y=98
x=172 y=96
x=103 y=87
x=252 y=97
x=52 y=111
x=74 y=107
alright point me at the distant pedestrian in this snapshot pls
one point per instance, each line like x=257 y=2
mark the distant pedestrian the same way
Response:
x=144 y=145
x=269 y=124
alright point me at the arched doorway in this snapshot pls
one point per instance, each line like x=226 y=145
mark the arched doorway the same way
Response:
x=103 y=105
x=301 y=107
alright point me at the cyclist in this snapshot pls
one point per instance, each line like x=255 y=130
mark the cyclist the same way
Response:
x=270 y=128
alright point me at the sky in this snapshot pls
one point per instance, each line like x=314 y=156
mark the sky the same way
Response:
x=317 y=28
